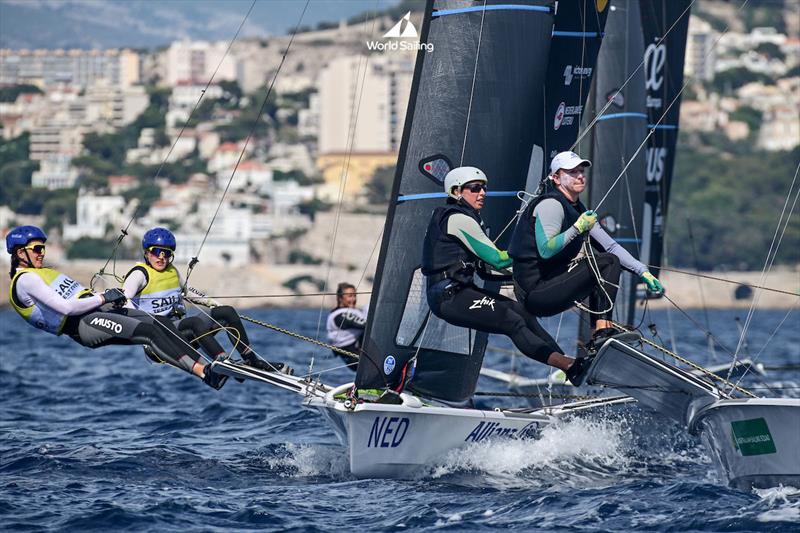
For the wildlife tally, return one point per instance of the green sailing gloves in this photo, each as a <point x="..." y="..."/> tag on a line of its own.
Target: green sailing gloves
<point x="586" y="221"/>
<point x="653" y="285"/>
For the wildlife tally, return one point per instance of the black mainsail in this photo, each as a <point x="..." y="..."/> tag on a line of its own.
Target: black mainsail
<point x="577" y="36"/>
<point x="474" y="100"/>
<point x="616" y="137"/>
<point x="665" y="25"/>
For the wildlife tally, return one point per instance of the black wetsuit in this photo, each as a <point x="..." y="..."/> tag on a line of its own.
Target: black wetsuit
<point x="549" y="286"/>
<point x="449" y="264"/>
<point x="198" y="330"/>
<point x="130" y="326"/>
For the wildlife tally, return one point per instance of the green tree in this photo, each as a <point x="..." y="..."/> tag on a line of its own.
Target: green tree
<point x="15" y="185"/>
<point x="749" y="115"/>
<point x="88" y="248"/>
<point x="732" y="194"/>
<point x="147" y="194"/>
<point x="379" y="188"/>
<point x="731" y="79"/>
<point x="10" y="94"/>
<point x="771" y="50"/>
<point x="59" y="207"/>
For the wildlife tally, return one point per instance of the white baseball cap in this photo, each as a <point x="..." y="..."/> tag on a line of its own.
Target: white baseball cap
<point x="567" y="160"/>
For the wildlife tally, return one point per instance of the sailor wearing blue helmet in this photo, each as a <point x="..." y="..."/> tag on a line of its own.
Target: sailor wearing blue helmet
<point x="56" y="303"/>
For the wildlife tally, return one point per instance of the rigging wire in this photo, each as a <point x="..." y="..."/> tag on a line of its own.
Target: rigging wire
<point x="742" y="283"/>
<point x="664" y="114"/>
<point x="124" y="232"/>
<point x="769" y="261"/>
<point x="352" y="126"/>
<point x="628" y="80"/>
<point x="472" y="89"/>
<point x="195" y="259"/>
<point x="711" y="349"/>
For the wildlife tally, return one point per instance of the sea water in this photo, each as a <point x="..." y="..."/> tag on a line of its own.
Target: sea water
<point x="101" y="440"/>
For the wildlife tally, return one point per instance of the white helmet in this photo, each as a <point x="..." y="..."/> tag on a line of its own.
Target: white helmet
<point x="461" y="175"/>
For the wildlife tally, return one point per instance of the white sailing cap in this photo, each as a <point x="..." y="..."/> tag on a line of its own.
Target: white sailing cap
<point x="568" y="161"/>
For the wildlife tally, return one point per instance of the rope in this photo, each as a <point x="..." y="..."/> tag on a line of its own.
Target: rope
<point x="697" y="274"/>
<point x="660" y="119"/>
<point x="694" y="366"/>
<point x="298" y="336"/>
<point x="592" y="262"/>
<point x="768" y="262"/>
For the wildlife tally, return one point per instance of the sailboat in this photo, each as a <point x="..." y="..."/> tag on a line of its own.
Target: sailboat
<point x="754" y="442"/>
<point x="476" y="99"/>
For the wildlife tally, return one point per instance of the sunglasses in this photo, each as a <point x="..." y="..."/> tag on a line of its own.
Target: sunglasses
<point x="157" y="251"/>
<point x="36" y="248"/>
<point x="475" y="187"/>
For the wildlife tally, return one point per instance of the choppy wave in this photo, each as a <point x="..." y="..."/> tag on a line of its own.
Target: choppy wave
<point x="101" y="441"/>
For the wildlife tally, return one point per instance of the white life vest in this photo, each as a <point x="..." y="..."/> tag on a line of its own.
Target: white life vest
<point x="345" y="337"/>
<point x="38" y="315"/>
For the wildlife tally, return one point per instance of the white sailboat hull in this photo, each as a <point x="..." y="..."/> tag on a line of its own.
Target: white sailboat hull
<point x="754" y="442"/>
<point x="399" y="441"/>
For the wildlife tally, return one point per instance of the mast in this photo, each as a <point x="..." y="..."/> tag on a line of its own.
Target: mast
<point x="577" y="36"/>
<point x="616" y="136"/>
<point x="665" y="25"/>
<point x="473" y="100"/>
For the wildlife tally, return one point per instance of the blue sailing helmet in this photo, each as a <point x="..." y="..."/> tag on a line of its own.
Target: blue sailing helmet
<point x="23" y="235"/>
<point x="159" y="237"/>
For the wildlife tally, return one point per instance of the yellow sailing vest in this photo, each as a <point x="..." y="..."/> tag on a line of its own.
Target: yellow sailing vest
<point x="162" y="292"/>
<point x="41" y="316"/>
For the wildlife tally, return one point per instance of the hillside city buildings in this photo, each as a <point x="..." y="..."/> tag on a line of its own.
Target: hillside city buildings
<point x="352" y="106"/>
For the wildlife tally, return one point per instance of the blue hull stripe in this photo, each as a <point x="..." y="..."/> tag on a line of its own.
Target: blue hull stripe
<point x="578" y="34"/>
<point x="622" y="115"/>
<point x="498" y="7"/>
<point x="628" y="239"/>
<point x="663" y="126"/>
<point x="429" y="195"/>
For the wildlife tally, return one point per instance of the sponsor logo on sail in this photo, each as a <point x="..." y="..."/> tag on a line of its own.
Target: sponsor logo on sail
<point x="609" y="223"/>
<point x="559" y="116"/>
<point x="616" y="97"/>
<point x="479" y="304"/>
<point x="388" y="432"/>
<point x="565" y="115"/>
<point x="571" y="72"/>
<point x="389" y="364"/>
<point x="655" y="56"/>
<point x="655" y="164"/>
<point x="107" y="323"/>
<point x="400" y="36"/>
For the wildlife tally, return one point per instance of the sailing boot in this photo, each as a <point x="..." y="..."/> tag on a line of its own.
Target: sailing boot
<point x="602" y="335"/>
<point x="251" y="359"/>
<point x="212" y="379"/>
<point x="576" y="373"/>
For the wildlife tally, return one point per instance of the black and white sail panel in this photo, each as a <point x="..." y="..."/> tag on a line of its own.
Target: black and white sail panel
<point x="475" y="98"/>
<point x="621" y="127"/>
<point x="577" y="36"/>
<point x="665" y="25"/>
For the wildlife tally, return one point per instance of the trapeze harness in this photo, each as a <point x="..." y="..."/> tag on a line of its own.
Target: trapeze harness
<point x="449" y="268"/>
